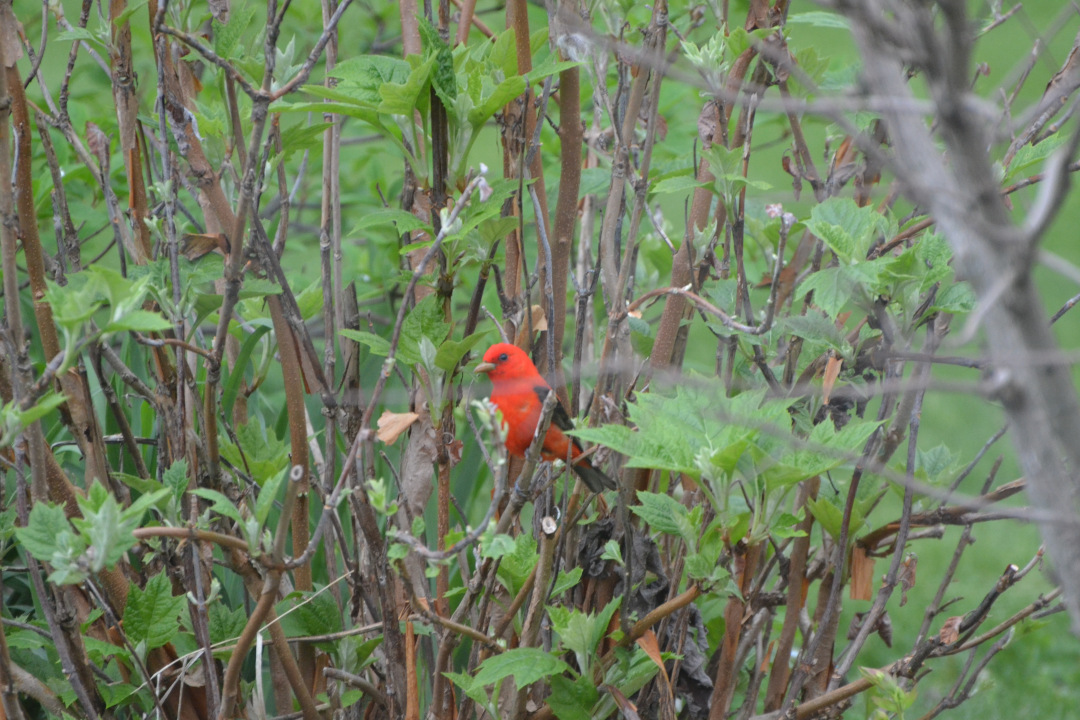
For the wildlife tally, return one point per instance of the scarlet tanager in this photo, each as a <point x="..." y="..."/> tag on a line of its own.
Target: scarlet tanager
<point x="519" y="390"/>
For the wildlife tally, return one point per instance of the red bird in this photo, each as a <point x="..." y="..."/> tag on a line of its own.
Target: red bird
<point x="519" y="390"/>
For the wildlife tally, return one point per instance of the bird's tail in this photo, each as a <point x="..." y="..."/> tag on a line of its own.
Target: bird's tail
<point x="593" y="478"/>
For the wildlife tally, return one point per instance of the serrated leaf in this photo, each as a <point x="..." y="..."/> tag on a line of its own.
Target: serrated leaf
<point x="1030" y="156"/>
<point x="310" y="613"/>
<point x="665" y="514"/>
<point x="581" y="632"/>
<point x="227" y="36"/>
<point x="833" y="287"/>
<point x="815" y="327"/>
<point x="443" y="78"/>
<point x="152" y="614"/>
<point x="573" y="699"/>
<point x="425" y="321"/>
<point x="525" y="665"/>
<point x="47" y="523"/>
<point x="845" y="227"/>
<point x="518" y="558"/>
<point x="225" y="625"/>
<point x="106" y="528"/>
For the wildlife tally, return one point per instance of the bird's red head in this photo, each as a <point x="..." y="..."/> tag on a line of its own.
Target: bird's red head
<point x="504" y="361"/>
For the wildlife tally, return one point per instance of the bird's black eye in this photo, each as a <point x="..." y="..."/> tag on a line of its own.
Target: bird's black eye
<point x="503" y="358"/>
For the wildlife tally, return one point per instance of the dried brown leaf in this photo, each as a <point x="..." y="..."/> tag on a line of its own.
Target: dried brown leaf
<point x="220" y="10"/>
<point x="98" y="144"/>
<point x="950" y="631"/>
<point x="862" y="574"/>
<point x="392" y="424"/>
<point x="832" y="371"/>
<point x="195" y="245"/>
<point x="907" y="576"/>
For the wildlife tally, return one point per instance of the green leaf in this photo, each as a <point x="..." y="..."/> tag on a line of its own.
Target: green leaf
<point x="956" y="298"/>
<point x="401" y="220"/>
<point x="43" y="407"/>
<point x="785" y="526"/>
<point x="136" y="483"/>
<point x="106" y="528"/>
<point x="376" y="343"/>
<point x="425" y="321"/>
<point x="76" y="33"/>
<point x="815" y="327"/>
<point x="138" y="321"/>
<point x="268" y="495"/>
<point x="152" y="614"/>
<point x="833" y="287"/>
<point x="260" y="451"/>
<point x="219" y="504"/>
<point x="935" y="462"/>
<point x="549" y="66"/>
<point x="828" y="515"/>
<point x="667" y="515"/>
<point x="131" y="9"/>
<point x="846" y="228"/>
<point x="225" y="625"/>
<point x="227" y="36"/>
<point x="138" y="508"/>
<point x="504" y="53"/>
<point x="573" y="699"/>
<point x="364" y="75"/>
<point x="46" y="524"/>
<point x="310" y="613"/>
<point x="443" y="77"/>
<point x="451" y="351"/>
<point x="677" y="184"/>
<point x="581" y="632"/>
<point x="565" y="581"/>
<point x="405" y="98"/>
<point x="820" y="19"/>
<point x="232" y="384"/>
<point x="470" y="687"/>
<point x="525" y="665"/>
<point x="1030" y="156"/>
<point x="682" y="433"/>
<point x="503" y="93"/>
<point x="519" y="558"/>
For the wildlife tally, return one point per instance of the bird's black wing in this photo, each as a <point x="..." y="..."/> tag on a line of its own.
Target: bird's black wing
<point x="559" y="417"/>
<point x="594" y="479"/>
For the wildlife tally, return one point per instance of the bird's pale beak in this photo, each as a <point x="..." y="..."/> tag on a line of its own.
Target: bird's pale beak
<point x="485" y="367"/>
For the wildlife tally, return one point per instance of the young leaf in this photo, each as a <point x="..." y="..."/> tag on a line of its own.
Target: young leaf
<point x="47" y="523"/>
